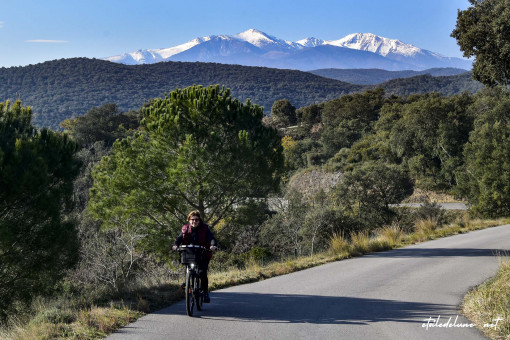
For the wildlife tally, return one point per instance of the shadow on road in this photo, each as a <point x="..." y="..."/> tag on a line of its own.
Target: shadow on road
<point x="440" y="252"/>
<point x="280" y="308"/>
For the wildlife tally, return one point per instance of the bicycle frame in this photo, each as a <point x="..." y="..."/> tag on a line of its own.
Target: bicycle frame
<point x="193" y="293"/>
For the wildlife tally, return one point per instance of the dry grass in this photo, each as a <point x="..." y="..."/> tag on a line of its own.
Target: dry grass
<point x="93" y="323"/>
<point x="490" y="303"/>
<point x="360" y="242"/>
<point x="421" y="196"/>
<point x="388" y="237"/>
<point x="424" y="229"/>
<point x="339" y="244"/>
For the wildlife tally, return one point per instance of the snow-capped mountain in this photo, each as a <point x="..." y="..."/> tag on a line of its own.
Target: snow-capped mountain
<point x="265" y="41"/>
<point x="256" y="48"/>
<point x="310" y="42"/>
<point x="373" y="43"/>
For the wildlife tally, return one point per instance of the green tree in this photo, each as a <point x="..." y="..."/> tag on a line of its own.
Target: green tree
<point x="486" y="176"/>
<point x="482" y="31"/>
<point x="428" y="134"/>
<point x="241" y="231"/>
<point x="201" y="149"/>
<point x="104" y="123"/>
<point x="368" y="148"/>
<point x="369" y="190"/>
<point x="37" y="169"/>
<point x="283" y="113"/>
<point x="348" y="118"/>
<point x="308" y="117"/>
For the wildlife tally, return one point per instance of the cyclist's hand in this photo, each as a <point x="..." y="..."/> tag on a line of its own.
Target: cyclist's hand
<point x="174" y="248"/>
<point x="213" y="248"/>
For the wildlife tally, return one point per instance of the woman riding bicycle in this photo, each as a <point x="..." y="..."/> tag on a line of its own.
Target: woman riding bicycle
<point x="198" y="233"/>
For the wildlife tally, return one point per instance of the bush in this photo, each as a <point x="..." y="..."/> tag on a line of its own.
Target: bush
<point x="432" y="211"/>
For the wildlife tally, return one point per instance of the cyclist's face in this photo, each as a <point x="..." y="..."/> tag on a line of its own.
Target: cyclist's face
<point x="194" y="221"/>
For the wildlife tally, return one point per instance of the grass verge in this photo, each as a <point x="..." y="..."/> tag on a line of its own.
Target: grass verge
<point x="95" y="322"/>
<point x="488" y="305"/>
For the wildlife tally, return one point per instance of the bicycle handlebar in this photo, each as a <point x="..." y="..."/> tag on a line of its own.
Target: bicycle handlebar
<point x="181" y="247"/>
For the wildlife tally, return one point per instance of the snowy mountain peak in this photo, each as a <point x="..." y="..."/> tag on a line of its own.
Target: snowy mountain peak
<point x="310" y="42"/>
<point x="376" y="44"/>
<point x="263" y="40"/>
<point x="256" y="37"/>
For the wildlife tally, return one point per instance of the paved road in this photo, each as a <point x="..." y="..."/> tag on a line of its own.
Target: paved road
<point x="386" y="295"/>
<point x="445" y="206"/>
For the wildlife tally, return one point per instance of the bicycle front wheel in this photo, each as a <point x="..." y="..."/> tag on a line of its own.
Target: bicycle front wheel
<point x="199" y="296"/>
<point x="190" y="301"/>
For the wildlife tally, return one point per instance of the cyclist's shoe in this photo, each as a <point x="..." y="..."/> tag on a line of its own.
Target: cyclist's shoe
<point x="207" y="299"/>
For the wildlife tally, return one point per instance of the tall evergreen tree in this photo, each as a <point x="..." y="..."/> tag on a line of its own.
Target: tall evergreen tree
<point x="36" y="173"/>
<point x="201" y="149"/>
<point x="485" y="179"/>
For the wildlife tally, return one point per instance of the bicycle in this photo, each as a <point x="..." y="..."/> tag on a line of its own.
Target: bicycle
<point x="191" y="256"/>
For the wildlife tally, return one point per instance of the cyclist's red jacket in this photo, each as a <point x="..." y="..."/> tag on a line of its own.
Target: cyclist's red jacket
<point x="201" y="236"/>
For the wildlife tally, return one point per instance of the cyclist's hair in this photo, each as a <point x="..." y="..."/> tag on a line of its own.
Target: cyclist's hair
<point x="195" y="213"/>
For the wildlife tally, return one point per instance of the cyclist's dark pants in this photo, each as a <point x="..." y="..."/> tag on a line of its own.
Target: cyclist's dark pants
<point x="202" y="271"/>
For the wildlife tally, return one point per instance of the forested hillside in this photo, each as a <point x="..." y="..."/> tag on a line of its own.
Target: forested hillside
<point x="446" y="85"/>
<point x="376" y="76"/>
<point x="64" y="88"/>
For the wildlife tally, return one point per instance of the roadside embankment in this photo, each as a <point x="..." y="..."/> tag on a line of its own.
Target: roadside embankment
<point x="491" y="301"/>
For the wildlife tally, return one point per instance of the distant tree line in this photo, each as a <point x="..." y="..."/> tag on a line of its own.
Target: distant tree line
<point x="378" y="76"/>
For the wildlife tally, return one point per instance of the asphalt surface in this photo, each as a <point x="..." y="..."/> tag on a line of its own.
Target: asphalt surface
<point x="387" y="295"/>
<point x="445" y="206"/>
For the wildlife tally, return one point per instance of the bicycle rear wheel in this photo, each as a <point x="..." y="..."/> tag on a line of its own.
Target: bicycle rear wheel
<point x="190" y="301"/>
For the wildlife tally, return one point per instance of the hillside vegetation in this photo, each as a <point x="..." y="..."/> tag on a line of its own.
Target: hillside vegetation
<point x="376" y="76"/>
<point x="446" y="85"/>
<point x="66" y="88"/>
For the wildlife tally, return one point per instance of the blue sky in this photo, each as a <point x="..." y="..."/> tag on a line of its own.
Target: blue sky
<point x="34" y="31"/>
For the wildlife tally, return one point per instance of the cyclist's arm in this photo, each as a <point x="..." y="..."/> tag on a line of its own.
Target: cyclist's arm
<point x="211" y="238"/>
<point x="178" y="240"/>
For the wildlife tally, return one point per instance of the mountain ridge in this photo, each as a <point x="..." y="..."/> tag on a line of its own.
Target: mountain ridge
<point x="256" y="48"/>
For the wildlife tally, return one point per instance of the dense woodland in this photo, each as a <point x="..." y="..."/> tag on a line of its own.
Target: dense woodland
<point x="67" y="88"/>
